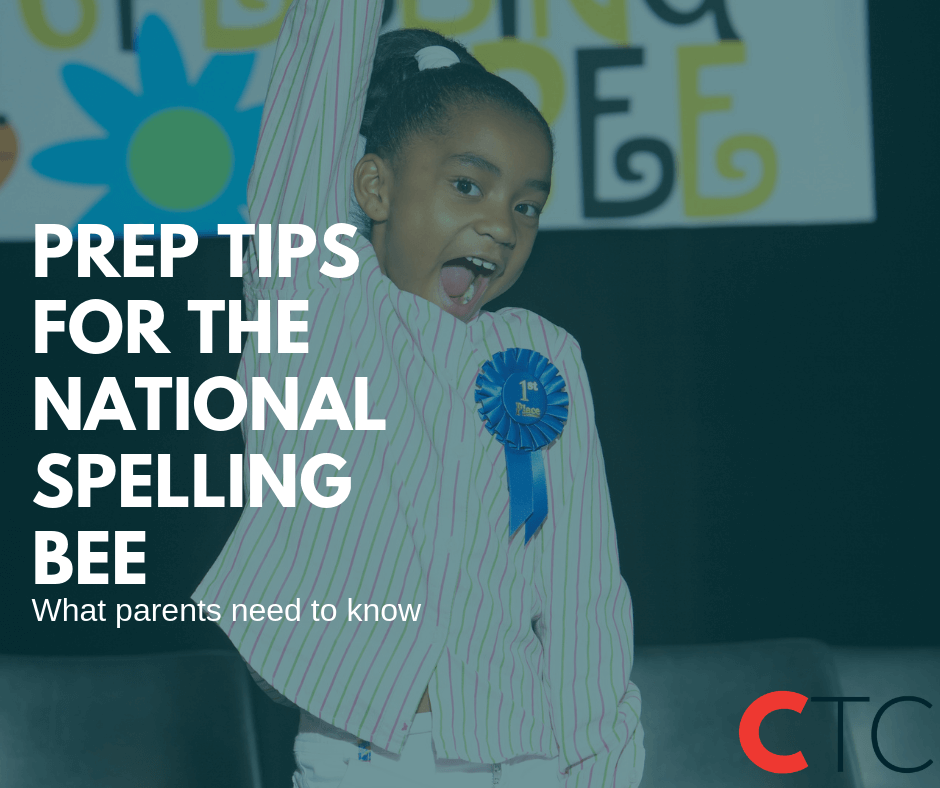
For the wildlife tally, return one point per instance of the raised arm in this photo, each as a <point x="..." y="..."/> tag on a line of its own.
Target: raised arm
<point x="587" y="622"/>
<point x="310" y="128"/>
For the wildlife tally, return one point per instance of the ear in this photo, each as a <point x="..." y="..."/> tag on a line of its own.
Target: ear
<point x="372" y="182"/>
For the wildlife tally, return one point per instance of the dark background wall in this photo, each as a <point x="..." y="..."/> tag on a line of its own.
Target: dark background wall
<point x="766" y="400"/>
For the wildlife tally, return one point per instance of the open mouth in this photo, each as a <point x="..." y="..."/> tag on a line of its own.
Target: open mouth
<point x="464" y="280"/>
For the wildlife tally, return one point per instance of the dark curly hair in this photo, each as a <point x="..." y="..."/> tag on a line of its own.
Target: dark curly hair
<point x="404" y="102"/>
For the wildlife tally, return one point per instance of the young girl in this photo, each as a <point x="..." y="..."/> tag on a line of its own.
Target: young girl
<point x="516" y="669"/>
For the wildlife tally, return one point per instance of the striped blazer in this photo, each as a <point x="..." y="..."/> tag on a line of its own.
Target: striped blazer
<point x="524" y="648"/>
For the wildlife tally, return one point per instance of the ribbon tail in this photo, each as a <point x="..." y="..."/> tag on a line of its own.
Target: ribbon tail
<point x="519" y="469"/>
<point x="539" y="495"/>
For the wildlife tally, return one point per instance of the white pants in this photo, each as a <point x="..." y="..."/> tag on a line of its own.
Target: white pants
<point x="326" y="762"/>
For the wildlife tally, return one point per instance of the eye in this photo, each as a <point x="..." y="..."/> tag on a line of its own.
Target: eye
<point x="465" y="186"/>
<point x="528" y="209"/>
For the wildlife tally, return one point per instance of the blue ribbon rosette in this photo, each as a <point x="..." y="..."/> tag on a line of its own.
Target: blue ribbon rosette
<point x="524" y="405"/>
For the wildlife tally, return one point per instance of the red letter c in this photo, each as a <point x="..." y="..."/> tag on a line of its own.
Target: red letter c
<point x="749" y="732"/>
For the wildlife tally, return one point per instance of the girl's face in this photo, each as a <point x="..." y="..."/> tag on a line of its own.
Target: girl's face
<point x="455" y="219"/>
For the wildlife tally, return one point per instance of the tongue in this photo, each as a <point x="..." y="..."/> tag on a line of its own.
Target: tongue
<point x="456" y="279"/>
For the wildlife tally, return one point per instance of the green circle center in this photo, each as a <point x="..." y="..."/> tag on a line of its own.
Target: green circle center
<point x="180" y="159"/>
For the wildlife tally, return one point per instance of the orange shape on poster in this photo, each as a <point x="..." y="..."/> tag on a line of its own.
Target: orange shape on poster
<point x="8" y="149"/>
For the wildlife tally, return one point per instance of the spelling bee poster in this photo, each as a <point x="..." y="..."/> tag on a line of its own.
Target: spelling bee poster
<point x="669" y="114"/>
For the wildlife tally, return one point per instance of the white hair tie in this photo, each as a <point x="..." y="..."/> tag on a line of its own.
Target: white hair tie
<point x="435" y="57"/>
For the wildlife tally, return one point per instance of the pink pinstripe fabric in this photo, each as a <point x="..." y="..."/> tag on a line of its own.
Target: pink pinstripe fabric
<point x="525" y="649"/>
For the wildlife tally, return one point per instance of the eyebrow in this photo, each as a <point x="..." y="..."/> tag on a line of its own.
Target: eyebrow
<point x="475" y="160"/>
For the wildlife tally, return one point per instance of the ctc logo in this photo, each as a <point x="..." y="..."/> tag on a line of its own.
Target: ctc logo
<point x="749" y="731"/>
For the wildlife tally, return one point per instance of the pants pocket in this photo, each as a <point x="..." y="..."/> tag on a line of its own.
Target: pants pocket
<point x="321" y="762"/>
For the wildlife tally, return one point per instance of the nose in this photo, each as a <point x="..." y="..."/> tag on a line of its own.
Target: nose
<point x="496" y="221"/>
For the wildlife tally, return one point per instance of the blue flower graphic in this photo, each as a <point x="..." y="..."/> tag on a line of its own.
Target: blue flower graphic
<point x="177" y="153"/>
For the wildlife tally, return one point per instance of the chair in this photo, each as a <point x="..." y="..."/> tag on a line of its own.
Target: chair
<point x="693" y="699"/>
<point x="908" y="733"/>
<point x="157" y="721"/>
<point x="186" y="719"/>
